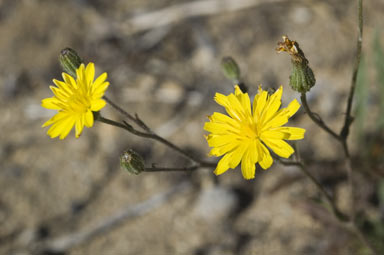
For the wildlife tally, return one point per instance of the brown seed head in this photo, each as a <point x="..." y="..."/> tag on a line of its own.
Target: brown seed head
<point x="293" y="49"/>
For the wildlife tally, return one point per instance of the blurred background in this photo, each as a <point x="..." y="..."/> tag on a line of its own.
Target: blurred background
<point x="163" y="62"/>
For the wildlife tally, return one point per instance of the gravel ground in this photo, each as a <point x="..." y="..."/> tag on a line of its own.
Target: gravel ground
<point x="54" y="192"/>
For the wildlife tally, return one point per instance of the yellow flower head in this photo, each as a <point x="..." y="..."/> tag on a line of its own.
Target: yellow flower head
<point x="245" y="133"/>
<point x="75" y="100"/>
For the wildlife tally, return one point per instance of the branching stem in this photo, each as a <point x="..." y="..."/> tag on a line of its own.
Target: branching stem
<point x="316" y="118"/>
<point x="339" y="215"/>
<point x="171" y="169"/>
<point x="348" y="116"/>
<point x="153" y="136"/>
<point x="343" y="136"/>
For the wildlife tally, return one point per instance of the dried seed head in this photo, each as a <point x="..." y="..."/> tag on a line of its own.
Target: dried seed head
<point x="302" y="78"/>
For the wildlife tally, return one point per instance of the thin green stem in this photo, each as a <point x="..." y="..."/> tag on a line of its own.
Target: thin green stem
<point x="119" y="109"/>
<point x="316" y="118"/>
<point x="172" y="169"/>
<point x="347" y="123"/>
<point x="339" y="215"/>
<point x="364" y="239"/>
<point x="342" y="138"/>
<point x="348" y="224"/>
<point x="153" y="136"/>
<point x="135" y="118"/>
<point x="348" y="116"/>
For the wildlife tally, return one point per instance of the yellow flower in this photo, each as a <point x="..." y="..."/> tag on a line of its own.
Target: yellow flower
<point x="245" y="133"/>
<point x="75" y="101"/>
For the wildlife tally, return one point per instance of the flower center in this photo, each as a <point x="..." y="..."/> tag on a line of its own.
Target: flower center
<point x="79" y="102"/>
<point x="249" y="130"/>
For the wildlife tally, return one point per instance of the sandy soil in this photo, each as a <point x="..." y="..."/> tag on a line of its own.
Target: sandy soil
<point x="53" y="189"/>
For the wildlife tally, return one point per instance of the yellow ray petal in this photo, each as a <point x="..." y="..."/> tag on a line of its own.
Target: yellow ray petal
<point x="100" y="80"/>
<point x="259" y="103"/>
<point x="248" y="166"/>
<point x="224" y="101"/>
<point x="69" y="81"/>
<point x="293" y="107"/>
<point x="220" y="128"/>
<point x="220" y="140"/>
<point x="236" y="106"/>
<point x="290" y="133"/>
<point x="67" y="88"/>
<point x="273" y="104"/>
<point x="222" y="118"/>
<point x="253" y="152"/>
<point x="59" y="116"/>
<point x="244" y="100"/>
<point x="88" y="121"/>
<point x="79" y="126"/>
<point x="48" y="122"/>
<point x="59" y="125"/>
<point x="66" y="127"/>
<point x="274" y="134"/>
<point x="97" y="105"/>
<point x="221" y="99"/>
<point x="80" y="74"/>
<point x="99" y="91"/>
<point x="275" y="122"/>
<point x="90" y="73"/>
<point x="219" y="151"/>
<point x="60" y="94"/>
<point x="266" y="160"/>
<point x="237" y="155"/>
<point x="282" y="116"/>
<point x="51" y="103"/>
<point x="223" y="165"/>
<point x="280" y="147"/>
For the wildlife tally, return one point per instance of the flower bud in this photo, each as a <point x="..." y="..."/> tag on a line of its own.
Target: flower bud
<point x="230" y="69"/>
<point x="132" y="162"/>
<point x="302" y="78"/>
<point x="70" y="61"/>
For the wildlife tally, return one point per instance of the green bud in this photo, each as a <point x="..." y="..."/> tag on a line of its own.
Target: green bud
<point x="132" y="162"/>
<point x="302" y="78"/>
<point x="230" y="69"/>
<point x="70" y="61"/>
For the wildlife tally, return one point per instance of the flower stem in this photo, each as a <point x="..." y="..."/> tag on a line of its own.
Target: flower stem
<point x="345" y="130"/>
<point x="316" y="118"/>
<point x="172" y="169"/>
<point x="348" y="121"/>
<point x="129" y="128"/>
<point x="348" y="224"/>
<point x="348" y="117"/>
<point x="338" y="214"/>
<point x="364" y="239"/>
<point x="342" y="138"/>
<point x="119" y="109"/>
